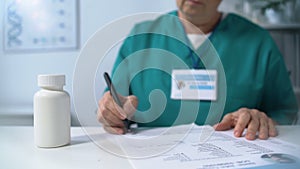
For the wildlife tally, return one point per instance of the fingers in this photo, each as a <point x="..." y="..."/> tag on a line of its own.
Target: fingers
<point x="261" y="124"/>
<point x="109" y="119"/>
<point x="130" y="106"/>
<point x="264" y="127"/>
<point x="258" y="124"/>
<point x="108" y="114"/>
<point x="108" y="107"/>
<point x="114" y="130"/>
<point x="111" y="115"/>
<point x="244" y="118"/>
<point x="272" y="128"/>
<point x="226" y="123"/>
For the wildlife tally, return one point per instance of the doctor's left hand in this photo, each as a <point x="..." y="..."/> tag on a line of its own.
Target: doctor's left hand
<point x="254" y="120"/>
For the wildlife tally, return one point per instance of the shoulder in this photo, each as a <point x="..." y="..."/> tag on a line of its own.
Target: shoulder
<point x="242" y="21"/>
<point x="240" y="24"/>
<point x="240" y="28"/>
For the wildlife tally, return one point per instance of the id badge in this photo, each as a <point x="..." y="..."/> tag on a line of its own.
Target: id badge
<point x="194" y="84"/>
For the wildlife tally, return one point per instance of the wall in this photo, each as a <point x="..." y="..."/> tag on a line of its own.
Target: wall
<point x="18" y="72"/>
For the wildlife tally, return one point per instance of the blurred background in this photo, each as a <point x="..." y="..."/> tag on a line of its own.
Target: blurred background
<point x="46" y="36"/>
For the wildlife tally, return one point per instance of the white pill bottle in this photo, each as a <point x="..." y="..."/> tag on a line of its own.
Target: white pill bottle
<point x="51" y="112"/>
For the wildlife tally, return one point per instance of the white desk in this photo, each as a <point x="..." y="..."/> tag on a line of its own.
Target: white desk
<point x="17" y="150"/>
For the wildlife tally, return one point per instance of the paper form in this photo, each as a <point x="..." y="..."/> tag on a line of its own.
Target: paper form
<point x="200" y="147"/>
<point x="142" y="143"/>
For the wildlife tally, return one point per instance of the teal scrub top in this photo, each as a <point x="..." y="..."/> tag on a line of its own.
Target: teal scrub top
<point x="251" y="72"/>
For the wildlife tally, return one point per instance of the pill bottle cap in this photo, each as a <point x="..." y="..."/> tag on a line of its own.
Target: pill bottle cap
<point x="51" y="80"/>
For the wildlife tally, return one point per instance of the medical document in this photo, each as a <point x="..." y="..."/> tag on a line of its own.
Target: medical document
<point x="200" y="147"/>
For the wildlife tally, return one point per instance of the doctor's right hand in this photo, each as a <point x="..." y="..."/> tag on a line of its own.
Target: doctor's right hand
<point x="111" y="115"/>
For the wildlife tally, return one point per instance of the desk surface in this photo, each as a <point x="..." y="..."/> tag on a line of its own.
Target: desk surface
<point x="17" y="150"/>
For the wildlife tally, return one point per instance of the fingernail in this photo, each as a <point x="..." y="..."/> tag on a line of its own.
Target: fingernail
<point x="236" y="133"/>
<point x="250" y="136"/>
<point x="215" y="126"/>
<point x="263" y="136"/>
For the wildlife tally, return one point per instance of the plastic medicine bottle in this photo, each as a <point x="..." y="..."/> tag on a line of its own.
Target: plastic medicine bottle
<point x="51" y="112"/>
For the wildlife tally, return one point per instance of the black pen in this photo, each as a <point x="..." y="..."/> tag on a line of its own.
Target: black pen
<point x="115" y="96"/>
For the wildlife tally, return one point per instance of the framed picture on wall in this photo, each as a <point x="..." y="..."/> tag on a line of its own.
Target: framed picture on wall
<point x="41" y="25"/>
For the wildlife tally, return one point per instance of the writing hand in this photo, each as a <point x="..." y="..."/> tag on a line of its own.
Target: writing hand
<point x="111" y="116"/>
<point x="254" y="120"/>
